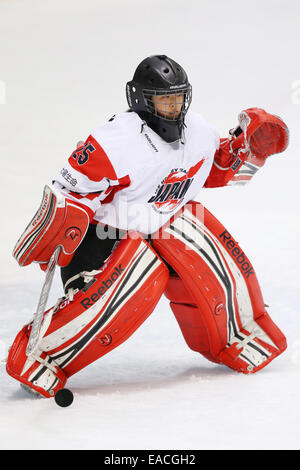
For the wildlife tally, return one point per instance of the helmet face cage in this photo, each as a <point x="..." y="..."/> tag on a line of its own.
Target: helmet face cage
<point x="183" y="98"/>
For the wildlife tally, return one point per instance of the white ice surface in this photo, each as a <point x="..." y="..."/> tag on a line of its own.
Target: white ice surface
<point x="63" y="67"/>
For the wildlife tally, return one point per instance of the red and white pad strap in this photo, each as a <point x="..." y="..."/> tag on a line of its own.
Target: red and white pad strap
<point x="58" y="222"/>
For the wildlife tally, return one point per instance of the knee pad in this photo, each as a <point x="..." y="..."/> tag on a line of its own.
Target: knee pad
<point x="216" y="297"/>
<point x="88" y="323"/>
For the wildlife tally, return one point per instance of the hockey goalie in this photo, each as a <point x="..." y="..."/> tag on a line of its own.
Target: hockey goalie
<point x="121" y="222"/>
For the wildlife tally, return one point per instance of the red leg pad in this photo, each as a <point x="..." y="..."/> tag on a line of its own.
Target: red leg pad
<point x="193" y="328"/>
<point x="216" y="297"/>
<point x="91" y="322"/>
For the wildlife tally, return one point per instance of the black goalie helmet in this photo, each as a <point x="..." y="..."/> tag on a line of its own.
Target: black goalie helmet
<point x="158" y="80"/>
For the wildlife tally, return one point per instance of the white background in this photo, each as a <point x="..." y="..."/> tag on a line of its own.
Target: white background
<point x="63" y="69"/>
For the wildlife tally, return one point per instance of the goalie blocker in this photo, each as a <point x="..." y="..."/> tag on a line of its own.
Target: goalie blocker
<point x="215" y="295"/>
<point x="57" y="223"/>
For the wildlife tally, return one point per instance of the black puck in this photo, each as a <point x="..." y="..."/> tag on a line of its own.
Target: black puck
<point x="64" y="397"/>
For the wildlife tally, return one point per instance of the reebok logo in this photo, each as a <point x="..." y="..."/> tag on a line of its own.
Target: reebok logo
<point x="89" y="301"/>
<point x="236" y="164"/>
<point x="41" y="211"/>
<point x="237" y="253"/>
<point x="73" y="233"/>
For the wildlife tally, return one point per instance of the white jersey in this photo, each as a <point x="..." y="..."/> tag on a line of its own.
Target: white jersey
<point x="130" y="178"/>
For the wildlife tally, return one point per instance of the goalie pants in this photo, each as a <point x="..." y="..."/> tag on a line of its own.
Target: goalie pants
<point x="91" y="255"/>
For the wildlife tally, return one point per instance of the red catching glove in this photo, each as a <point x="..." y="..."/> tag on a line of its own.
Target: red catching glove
<point x="258" y="135"/>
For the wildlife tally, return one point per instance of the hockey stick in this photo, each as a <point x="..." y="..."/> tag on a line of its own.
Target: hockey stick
<point x="39" y="315"/>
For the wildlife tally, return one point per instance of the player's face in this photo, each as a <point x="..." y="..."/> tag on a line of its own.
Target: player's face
<point x="168" y="106"/>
